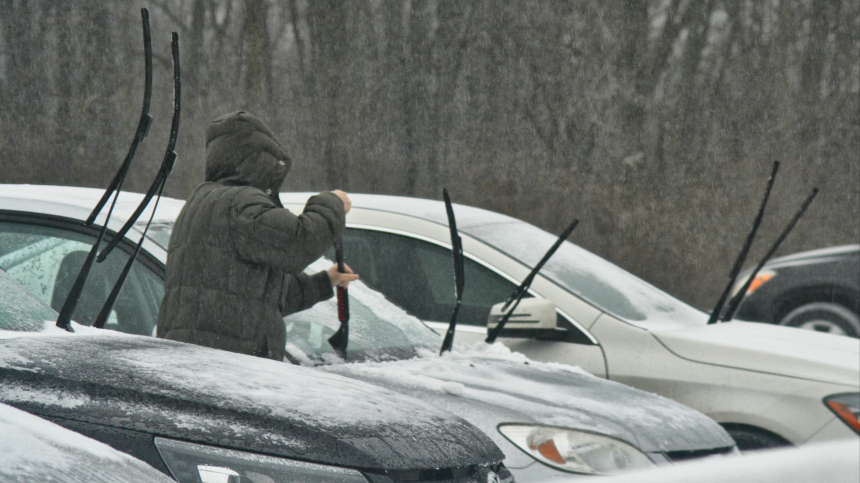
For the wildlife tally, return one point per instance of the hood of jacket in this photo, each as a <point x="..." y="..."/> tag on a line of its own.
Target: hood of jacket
<point x="242" y="151"/>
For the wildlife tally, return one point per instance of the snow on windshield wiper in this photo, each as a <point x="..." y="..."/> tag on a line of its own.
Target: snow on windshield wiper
<point x="115" y="185"/>
<point x="156" y="187"/>
<point x="520" y="291"/>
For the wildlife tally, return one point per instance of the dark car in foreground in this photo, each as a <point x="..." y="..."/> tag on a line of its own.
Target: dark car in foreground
<point x="815" y="290"/>
<point x="200" y="414"/>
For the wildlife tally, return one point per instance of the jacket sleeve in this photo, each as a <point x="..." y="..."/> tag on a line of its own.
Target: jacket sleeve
<point x="265" y="234"/>
<point x="302" y="291"/>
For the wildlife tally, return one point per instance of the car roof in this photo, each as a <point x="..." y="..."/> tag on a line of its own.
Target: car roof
<point x="821" y="253"/>
<point x="34" y="449"/>
<point x="425" y="209"/>
<point x="78" y="202"/>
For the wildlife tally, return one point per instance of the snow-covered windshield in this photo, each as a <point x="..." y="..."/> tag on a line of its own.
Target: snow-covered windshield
<point x="583" y="273"/>
<point x="378" y="329"/>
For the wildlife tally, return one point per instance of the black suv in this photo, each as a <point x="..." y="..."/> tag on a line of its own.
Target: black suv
<point x="816" y="290"/>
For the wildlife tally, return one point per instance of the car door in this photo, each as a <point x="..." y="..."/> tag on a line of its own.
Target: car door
<point x="45" y="255"/>
<point x="417" y="274"/>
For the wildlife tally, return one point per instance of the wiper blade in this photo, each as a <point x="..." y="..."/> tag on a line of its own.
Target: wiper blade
<point x="459" y="272"/>
<point x="157" y="186"/>
<point x="142" y="125"/>
<point x="166" y="165"/>
<point x="736" y="300"/>
<point x="520" y="291"/>
<point x="742" y="256"/>
<point x="69" y="305"/>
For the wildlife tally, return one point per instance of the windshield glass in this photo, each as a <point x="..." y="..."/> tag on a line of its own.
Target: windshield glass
<point x="20" y="310"/>
<point x="378" y="329"/>
<point x="159" y="231"/>
<point x="592" y="278"/>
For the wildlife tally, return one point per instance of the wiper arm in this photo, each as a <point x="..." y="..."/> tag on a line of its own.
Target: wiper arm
<point x="520" y="291"/>
<point x="115" y="185"/>
<point x="739" y="261"/>
<point x="157" y="186"/>
<point x="459" y="272"/>
<point x="736" y="300"/>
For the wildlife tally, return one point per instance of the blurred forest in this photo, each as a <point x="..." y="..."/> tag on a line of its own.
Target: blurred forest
<point x="653" y="122"/>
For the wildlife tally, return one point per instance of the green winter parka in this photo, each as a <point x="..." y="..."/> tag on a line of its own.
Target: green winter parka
<point x="236" y="257"/>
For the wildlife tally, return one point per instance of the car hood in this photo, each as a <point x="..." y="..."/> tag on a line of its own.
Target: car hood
<point x="772" y="349"/>
<point x="488" y="390"/>
<point x="219" y="398"/>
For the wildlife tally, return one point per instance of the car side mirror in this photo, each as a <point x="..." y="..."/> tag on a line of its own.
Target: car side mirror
<point x="534" y="318"/>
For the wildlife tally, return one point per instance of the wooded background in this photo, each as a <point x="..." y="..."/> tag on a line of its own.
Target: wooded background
<point x="653" y="122"/>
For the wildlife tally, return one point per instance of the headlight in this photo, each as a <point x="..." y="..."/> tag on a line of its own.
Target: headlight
<point x="195" y="463"/>
<point x="575" y="451"/>
<point x="846" y="407"/>
<point x="760" y="278"/>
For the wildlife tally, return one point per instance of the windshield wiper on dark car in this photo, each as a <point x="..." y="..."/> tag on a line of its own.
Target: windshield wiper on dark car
<point x="156" y="187"/>
<point x="115" y="185"/>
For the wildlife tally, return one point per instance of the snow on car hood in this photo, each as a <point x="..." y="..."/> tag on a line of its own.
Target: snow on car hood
<point x="231" y="400"/>
<point x="488" y="385"/>
<point x="33" y="449"/>
<point x="767" y="348"/>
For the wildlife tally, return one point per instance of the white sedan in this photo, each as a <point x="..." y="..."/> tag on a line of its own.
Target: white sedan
<point x="767" y="385"/>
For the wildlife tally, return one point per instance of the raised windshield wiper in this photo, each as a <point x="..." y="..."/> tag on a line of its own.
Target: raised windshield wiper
<point x="115" y="185"/>
<point x="742" y="256"/>
<point x="736" y="300"/>
<point x="156" y="187"/>
<point x="459" y="272"/>
<point x="520" y="291"/>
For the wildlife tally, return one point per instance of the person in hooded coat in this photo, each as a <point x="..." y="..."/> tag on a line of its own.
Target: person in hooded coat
<point x="236" y="256"/>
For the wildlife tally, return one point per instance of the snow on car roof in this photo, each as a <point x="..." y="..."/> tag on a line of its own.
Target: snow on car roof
<point x="78" y="202"/>
<point x="33" y="449"/>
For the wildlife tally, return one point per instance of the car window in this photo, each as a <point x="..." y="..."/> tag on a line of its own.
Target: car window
<point x="419" y="276"/>
<point x="378" y="330"/>
<point x="46" y="260"/>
